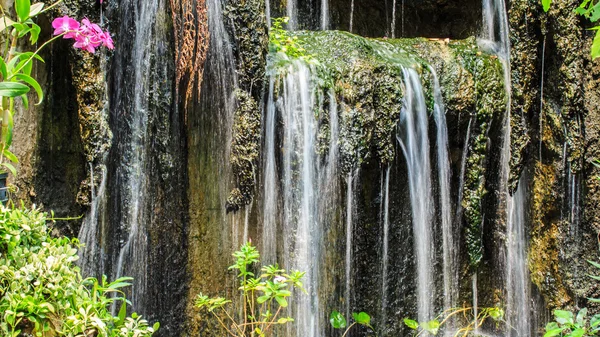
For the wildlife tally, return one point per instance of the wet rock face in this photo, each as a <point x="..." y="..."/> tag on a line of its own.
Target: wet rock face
<point x="374" y="18"/>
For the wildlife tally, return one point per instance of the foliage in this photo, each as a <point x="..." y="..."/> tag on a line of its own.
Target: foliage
<point x="468" y="313"/>
<point x="16" y="66"/>
<point x="590" y="9"/>
<point x="42" y="292"/>
<point x="264" y="297"/>
<point x="567" y="324"/>
<point x="338" y="321"/>
<point x="280" y="40"/>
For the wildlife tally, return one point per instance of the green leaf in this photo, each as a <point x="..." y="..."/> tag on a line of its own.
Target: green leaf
<point x="595" y="321"/>
<point x="3" y="68"/>
<point x="23" y="8"/>
<point x="25" y="101"/>
<point x="13" y="89"/>
<point x="546" y="5"/>
<point x="10" y="168"/>
<point x="36" y="8"/>
<point x="262" y="299"/>
<point x="156" y="326"/>
<point x="282" y="301"/>
<point x="7" y="133"/>
<point x="337" y="320"/>
<point x="595" y="54"/>
<point x="581" y="316"/>
<point x="122" y="313"/>
<point x="361" y="318"/>
<point x="5" y="22"/>
<point x="34" y="84"/>
<point x="553" y="332"/>
<point x="412" y="324"/>
<point x="496" y="313"/>
<point x="35" y="33"/>
<point x="10" y="156"/>
<point x="433" y="326"/>
<point x="579" y="332"/>
<point x="563" y="316"/>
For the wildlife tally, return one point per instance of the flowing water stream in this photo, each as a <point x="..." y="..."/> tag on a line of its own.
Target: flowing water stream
<point x="414" y="141"/>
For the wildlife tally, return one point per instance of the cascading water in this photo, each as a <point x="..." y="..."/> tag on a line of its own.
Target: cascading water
<point x="324" y="14"/>
<point x="270" y="197"/>
<point x="349" y="234"/>
<point x="386" y="242"/>
<point x="414" y="141"/>
<point x="517" y="276"/>
<point x="93" y="232"/>
<point x="518" y="293"/>
<point x="292" y="14"/>
<point x="393" y="28"/>
<point x="450" y="249"/>
<point x="351" y="15"/>
<point x="300" y="194"/>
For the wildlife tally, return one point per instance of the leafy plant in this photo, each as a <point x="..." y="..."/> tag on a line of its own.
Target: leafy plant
<point x="590" y="9"/>
<point x="567" y="324"/>
<point x="16" y="66"/>
<point x="280" y="40"/>
<point x="42" y="292"/>
<point x="264" y="298"/>
<point x="472" y="323"/>
<point x="338" y="321"/>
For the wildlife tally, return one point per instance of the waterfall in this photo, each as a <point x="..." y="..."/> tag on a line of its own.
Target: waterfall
<point x="450" y="249"/>
<point x="517" y="275"/>
<point x="414" y="141"/>
<point x="351" y="15"/>
<point x="518" y="292"/>
<point x="292" y="14"/>
<point x="132" y="258"/>
<point x="349" y="231"/>
<point x="393" y="28"/>
<point x="93" y="231"/>
<point x="270" y="196"/>
<point x="302" y="231"/>
<point x="324" y="14"/>
<point x="386" y="242"/>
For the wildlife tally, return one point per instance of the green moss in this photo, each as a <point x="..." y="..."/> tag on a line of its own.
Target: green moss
<point x="490" y="103"/>
<point x="249" y="30"/>
<point x="244" y="152"/>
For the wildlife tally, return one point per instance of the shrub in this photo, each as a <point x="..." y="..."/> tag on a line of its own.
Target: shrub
<point x="264" y="297"/>
<point x="42" y="292"/>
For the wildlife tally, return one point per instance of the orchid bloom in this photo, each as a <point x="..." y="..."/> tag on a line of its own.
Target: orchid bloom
<point x="88" y="36"/>
<point x="65" y="25"/>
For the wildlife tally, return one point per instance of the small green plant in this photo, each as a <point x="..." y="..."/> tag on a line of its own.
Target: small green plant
<point x="42" y="292"/>
<point x="264" y="298"/>
<point x="468" y="314"/>
<point x="338" y="321"/>
<point x="590" y="9"/>
<point x="280" y="40"/>
<point x="567" y="324"/>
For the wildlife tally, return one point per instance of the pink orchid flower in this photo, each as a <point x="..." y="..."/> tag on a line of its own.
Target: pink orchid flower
<point x="107" y="40"/>
<point x="65" y="25"/>
<point x="87" y="35"/>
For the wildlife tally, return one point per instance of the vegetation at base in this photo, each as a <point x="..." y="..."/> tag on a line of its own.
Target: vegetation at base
<point x="338" y="321"/>
<point x="435" y="325"/>
<point x="567" y="324"/>
<point x="42" y="291"/>
<point x="264" y="298"/>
